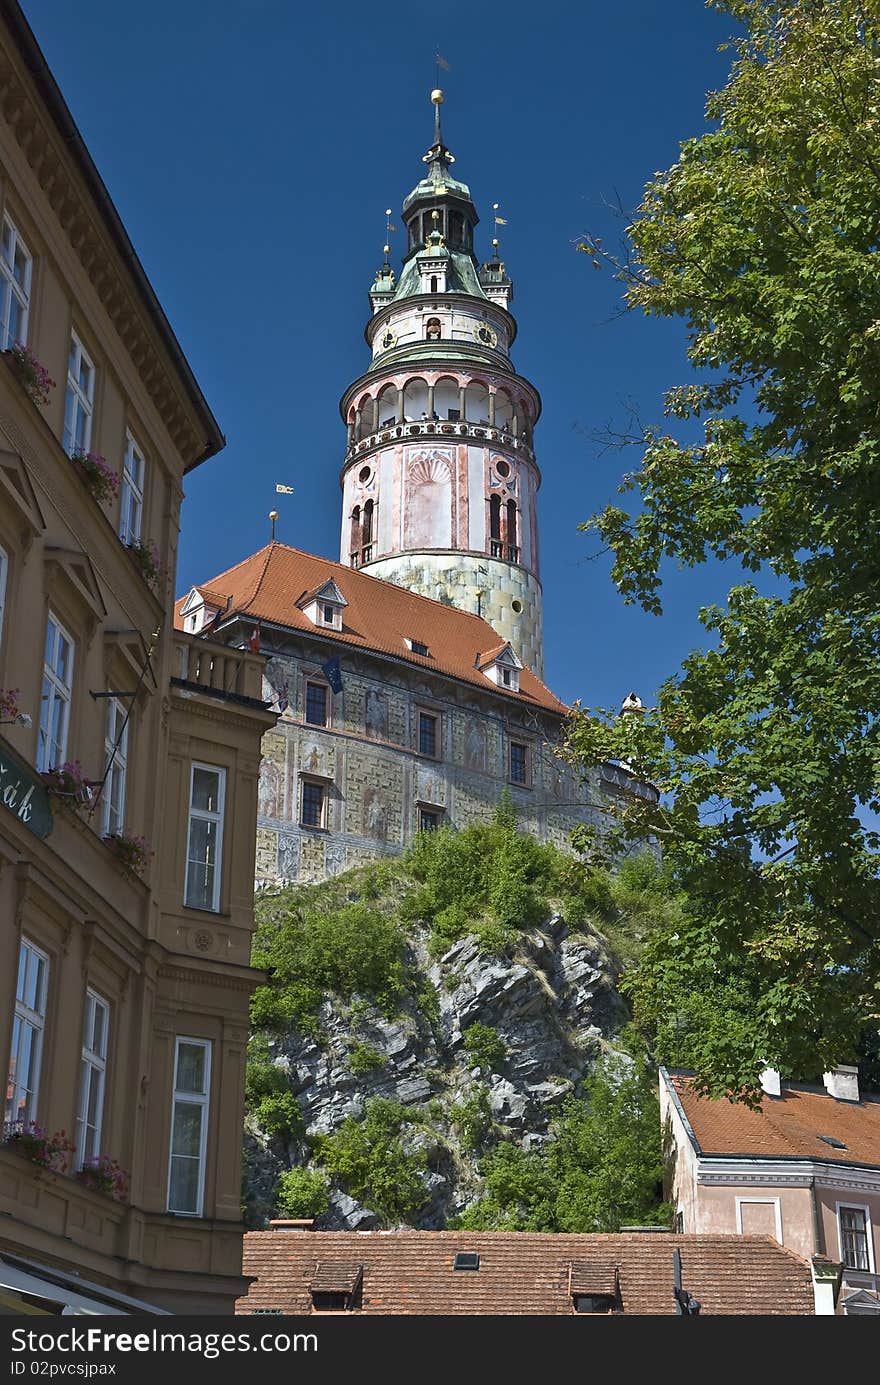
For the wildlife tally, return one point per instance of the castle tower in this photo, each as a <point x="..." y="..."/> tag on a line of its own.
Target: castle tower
<point x="440" y="480"/>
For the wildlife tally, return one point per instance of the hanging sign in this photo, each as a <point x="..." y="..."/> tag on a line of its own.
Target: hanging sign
<point x="23" y="793"/>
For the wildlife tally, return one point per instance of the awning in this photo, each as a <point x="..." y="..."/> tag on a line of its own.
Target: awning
<point x="26" y="1287"/>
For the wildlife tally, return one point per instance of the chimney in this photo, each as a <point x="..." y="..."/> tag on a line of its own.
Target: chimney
<point x="282" y="1224"/>
<point x="842" y="1083"/>
<point x="771" y="1082"/>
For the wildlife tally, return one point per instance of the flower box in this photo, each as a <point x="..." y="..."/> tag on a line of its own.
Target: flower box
<point x="133" y="852"/>
<point x="104" y="1175"/>
<point x="32" y="375"/>
<point x="69" y="781"/>
<point x="35" y="1144"/>
<point x="96" y="475"/>
<point x="146" y="556"/>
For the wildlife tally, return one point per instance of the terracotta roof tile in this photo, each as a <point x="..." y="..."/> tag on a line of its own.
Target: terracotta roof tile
<point x="787" y="1126"/>
<point x="525" y="1272"/>
<point x="379" y="617"/>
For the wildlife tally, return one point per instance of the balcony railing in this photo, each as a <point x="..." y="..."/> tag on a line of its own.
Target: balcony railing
<point x="442" y="428"/>
<point x="217" y="666"/>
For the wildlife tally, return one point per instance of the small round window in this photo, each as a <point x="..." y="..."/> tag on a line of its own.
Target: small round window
<point x="516" y="606"/>
<point x="502" y="468"/>
<point x="364" y="475"/>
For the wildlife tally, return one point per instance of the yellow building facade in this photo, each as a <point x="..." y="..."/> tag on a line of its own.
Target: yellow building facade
<point x="129" y="765"/>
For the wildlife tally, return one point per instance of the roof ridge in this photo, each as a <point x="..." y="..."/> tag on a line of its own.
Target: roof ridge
<point x="253" y="596"/>
<point x="212" y="581"/>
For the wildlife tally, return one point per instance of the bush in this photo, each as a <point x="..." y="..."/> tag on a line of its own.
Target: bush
<point x="472" y="1119"/>
<point x="302" y="1193"/>
<point x="485" y="1046"/>
<point x="368" y="1158"/>
<point x="364" y="1058"/>
<point x="267" y="1094"/>
<point x="348" y="950"/>
<point x="601" y="1170"/>
<point x="488" y="879"/>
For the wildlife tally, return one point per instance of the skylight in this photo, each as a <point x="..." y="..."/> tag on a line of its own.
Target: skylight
<point x="830" y="1140"/>
<point x="466" y="1260"/>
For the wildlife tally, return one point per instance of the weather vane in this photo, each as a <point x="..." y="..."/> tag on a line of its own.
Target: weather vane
<point x="389" y="229"/>
<point x="499" y="221"/>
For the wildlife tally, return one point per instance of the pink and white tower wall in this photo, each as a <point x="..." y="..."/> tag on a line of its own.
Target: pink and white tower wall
<point x="440" y="481"/>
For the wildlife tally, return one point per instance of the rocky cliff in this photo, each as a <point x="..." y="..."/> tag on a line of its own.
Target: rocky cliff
<point x="483" y="1043"/>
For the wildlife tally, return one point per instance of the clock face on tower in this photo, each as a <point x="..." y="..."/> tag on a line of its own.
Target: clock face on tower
<point x="485" y="335"/>
<point x="389" y="339"/>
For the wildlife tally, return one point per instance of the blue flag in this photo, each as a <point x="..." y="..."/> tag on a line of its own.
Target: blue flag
<point x="333" y="674"/>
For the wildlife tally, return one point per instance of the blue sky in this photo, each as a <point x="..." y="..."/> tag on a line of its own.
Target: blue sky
<point x="251" y="147"/>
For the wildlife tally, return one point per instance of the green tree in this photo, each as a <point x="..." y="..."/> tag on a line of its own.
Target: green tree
<point x="763" y="238"/>
<point x="600" y="1171"/>
<point x="369" y="1159"/>
<point x="302" y="1193"/>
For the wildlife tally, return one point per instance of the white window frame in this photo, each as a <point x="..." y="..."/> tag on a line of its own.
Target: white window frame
<point x="204" y="815"/>
<point x="869" y="1236"/>
<point x="134" y="476"/>
<point x="114" y="784"/>
<point x="202" y="1100"/>
<point x="58" y="692"/>
<point x="35" y="1020"/>
<point x="93" y="1069"/>
<point x="77" y="400"/>
<point x="777" y="1210"/>
<point x="11" y="288"/>
<point x="4" y="581"/>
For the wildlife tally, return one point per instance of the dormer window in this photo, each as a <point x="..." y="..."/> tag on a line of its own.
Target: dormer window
<point x="502" y="667"/>
<point x="324" y="605"/>
<point x="336" y="1288"/>
<point x="594" y="1288"/>
<point x="418" y="647"/>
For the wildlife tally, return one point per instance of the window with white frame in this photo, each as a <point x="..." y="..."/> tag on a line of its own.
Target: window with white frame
<point x="23" y="1083"/>
<point x="55" y="701"/>
<point x="4" y="577"/>
<point x="16" y="267"/>
<point x="131" y="513"/>
<point x="79" y="400"/>
<point x="189" y="1126"/>
<point x="205" y="837"/>
<point x="855" y="1250"/>
<point x="116" y="762"/>
<point x="93" y="1068"/>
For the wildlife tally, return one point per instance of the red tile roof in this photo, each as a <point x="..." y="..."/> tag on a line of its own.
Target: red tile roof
<point x="525" y="1272"/>
<point x="787" y="1126"/>
<point x="379" y="617"/>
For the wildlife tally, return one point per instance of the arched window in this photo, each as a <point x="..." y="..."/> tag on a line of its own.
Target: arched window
<point x="355" y="544"/>
<point x="432" y="329"/>
<point x="367" y="530"/>
<point x="512" y="544"/>
<point x="495" y="546"/>
<point x="387" y="406"/>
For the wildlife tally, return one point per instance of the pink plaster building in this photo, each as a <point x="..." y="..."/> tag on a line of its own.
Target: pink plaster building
<point x="805" y="1169"/>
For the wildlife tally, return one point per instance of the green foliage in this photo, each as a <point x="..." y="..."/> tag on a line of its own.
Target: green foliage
<point x="364" y="1058"/>
<point x="267" y="1094"/>
<point x="348" y="950"/>
<point x="302" y="1193"/>
<point x="762" y="237"/>
<point x="600" y="1171"/>
<point x="472" y="1120"/>
<point x="485" y="1046"/>
<point x="488" y="879"/>
<point x="368" y="1158"/>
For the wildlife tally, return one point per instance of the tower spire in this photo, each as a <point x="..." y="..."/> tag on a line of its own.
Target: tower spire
<point x="438" y="153"/>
